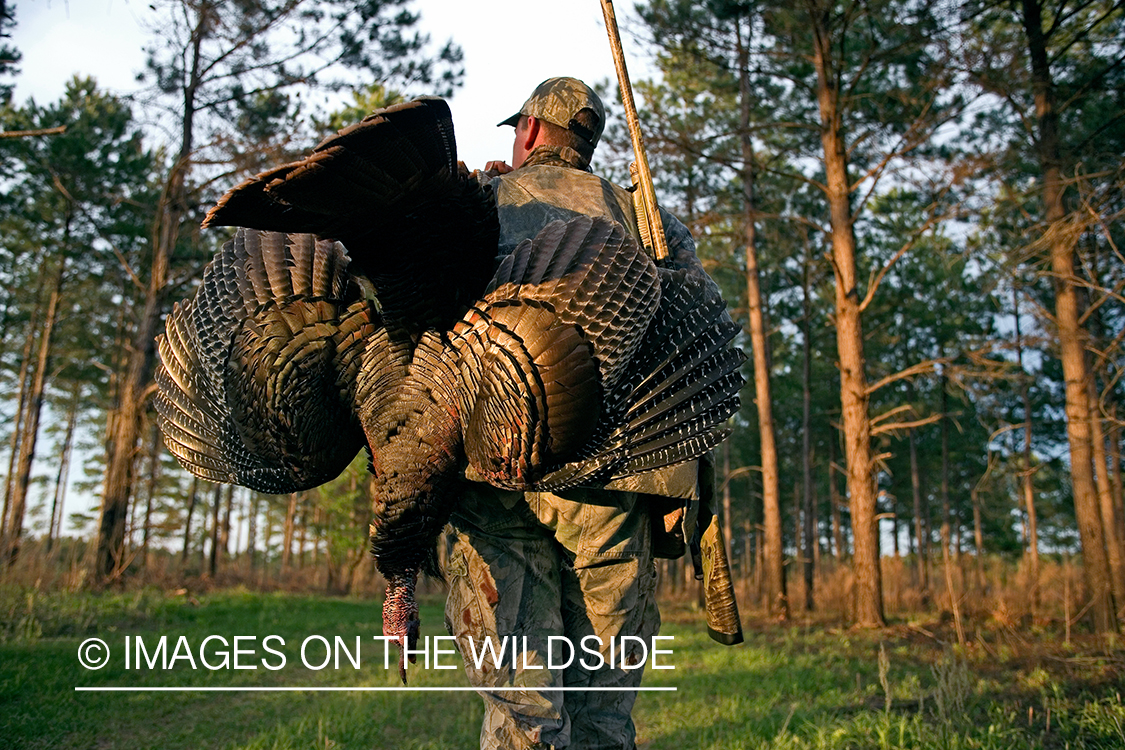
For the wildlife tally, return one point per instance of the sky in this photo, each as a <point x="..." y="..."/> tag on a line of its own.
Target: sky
<point x="510" y="47"/>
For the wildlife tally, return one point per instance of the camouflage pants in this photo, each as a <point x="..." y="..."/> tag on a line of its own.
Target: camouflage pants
<point x="538" y="565"/>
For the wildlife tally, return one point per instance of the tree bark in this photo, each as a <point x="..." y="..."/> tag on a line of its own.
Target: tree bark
<point x="806" y="440"/>
<point x="216" y="526"/>
<point x="155" y="447"/>
<point x="727" y="525"/>
<point x="125" y="419"/>
<point x="31" y="423"/>
<point x="946" y="557"/>
<point x="1072" y="337"/>
<point x="252" y="530"/>
<point x="1103" y="483"/>
<point x="859" y="457"/>
<point x="17" y="429"/>
<point x="228" y="508"/>
<point x="287" y="537"/>
<point x="921" y="528"/>
<point x="838" y="541"/>
<point x="1027" y="472"/>
<point x="55" y="529"/>
<point x="193" y="497"/>
<point x="978" y="538"/>
<point x="777" y="597"/>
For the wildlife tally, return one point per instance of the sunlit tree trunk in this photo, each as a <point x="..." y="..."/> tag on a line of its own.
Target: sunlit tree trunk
<point x="290" y="528"/>
<point x="838" y="540"/>
<point x="155" y="447"/>
<point x="921" y="527"/>
<point x="946" y="556"/>
<point x="978" y="538"/>
<point x="30" y="430"/>
<point x="778" y="600"/>
<point x="806" y="441"/>
<point x="728" y="526"/>
<point x="17" y="429"/>
<point x="125" y="420"/>
<point x="858" y="455"/>
<point x="61" y="477"/>
<point x="1105" y="498"/>
<point x="1072" y="337"/>
<point x="1027" y="473"/>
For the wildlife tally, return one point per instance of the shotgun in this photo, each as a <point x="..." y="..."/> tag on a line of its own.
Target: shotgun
<point x="708" y="549"/>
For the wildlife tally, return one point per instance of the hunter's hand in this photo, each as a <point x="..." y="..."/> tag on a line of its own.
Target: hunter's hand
<point x="497" y="168"/>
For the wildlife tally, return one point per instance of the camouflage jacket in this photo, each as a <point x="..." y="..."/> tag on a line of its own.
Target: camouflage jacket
<point x="554" y="183"/>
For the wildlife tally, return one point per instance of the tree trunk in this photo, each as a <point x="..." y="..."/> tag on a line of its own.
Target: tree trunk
<point x="777" y="598"/>
<point x="216" y="529"/>
<point x="303" y="529"/>
<point x="31" y="423"/>
<point x="287" y="537"/>
<point x="228" y="507"/>
<point x="859" y="458"/>
<point x="1105" y="498"/>
<point x="1072" y="338"/>
<point x="17" y="428"/>
<point x="921" y="528"/>
<point x="838" y="542"/>
<point x="1027" y="472"/>
<point x="193" y="497"/>
<point x="947" y="562"/>
<point x="252" y="530"/>
<point x="124" y="422"/>
<point x="728" y="527"/>
<point x="55" y="528"/>
<point x="155" y="447"/>
<point x="978" y="538"/>
<point x="806" y="440"/>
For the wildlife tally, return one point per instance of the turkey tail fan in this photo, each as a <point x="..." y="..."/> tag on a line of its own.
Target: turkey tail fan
<point x="595" y="276"/>
<point x="390" y="188"/>
<point x="682" y="386"/>
<point x="555" y="326"/>
<point x="365" y="176"/>
<point x="258" y="369"/>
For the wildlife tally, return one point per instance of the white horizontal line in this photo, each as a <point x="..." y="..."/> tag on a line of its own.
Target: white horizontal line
<point x="287" y="689"/>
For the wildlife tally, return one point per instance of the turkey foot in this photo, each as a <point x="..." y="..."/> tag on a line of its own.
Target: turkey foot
<point x="400" y="617"/>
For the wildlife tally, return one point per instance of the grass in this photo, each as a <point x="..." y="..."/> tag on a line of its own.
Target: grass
<point x="796" y="686"/>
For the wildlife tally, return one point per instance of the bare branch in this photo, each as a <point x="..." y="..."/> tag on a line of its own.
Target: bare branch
<point x="897" y="426"/>
<point x="30" y="133"/>
<point x="909" y="372"/>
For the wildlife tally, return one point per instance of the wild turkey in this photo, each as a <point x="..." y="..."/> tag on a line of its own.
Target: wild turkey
<point x="574" y="360"/>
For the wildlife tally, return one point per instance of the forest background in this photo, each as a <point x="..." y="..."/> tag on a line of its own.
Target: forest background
<point x="915" y="211"/>
<point x="914" y="208"/>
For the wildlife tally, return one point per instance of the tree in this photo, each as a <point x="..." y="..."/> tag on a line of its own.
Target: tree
<point x="1056" y="67"/>
<point x="709" y="48"/>
<point x="74" y="199"/>
<point x="880" y="83"/>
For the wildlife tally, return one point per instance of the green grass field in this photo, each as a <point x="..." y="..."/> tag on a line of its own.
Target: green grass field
<point x="787" y="687"/>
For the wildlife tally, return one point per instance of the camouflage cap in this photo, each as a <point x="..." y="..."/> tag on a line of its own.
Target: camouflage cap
<point x="558" y="101"/>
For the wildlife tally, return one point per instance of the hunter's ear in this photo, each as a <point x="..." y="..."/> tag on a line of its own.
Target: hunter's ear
<point x="531" y="133"/>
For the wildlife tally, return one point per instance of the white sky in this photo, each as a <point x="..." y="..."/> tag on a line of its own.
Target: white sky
<point x="510" y="46"/>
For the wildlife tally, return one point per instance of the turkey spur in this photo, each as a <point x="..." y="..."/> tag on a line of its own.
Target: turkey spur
<point x="361" y="305"/>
